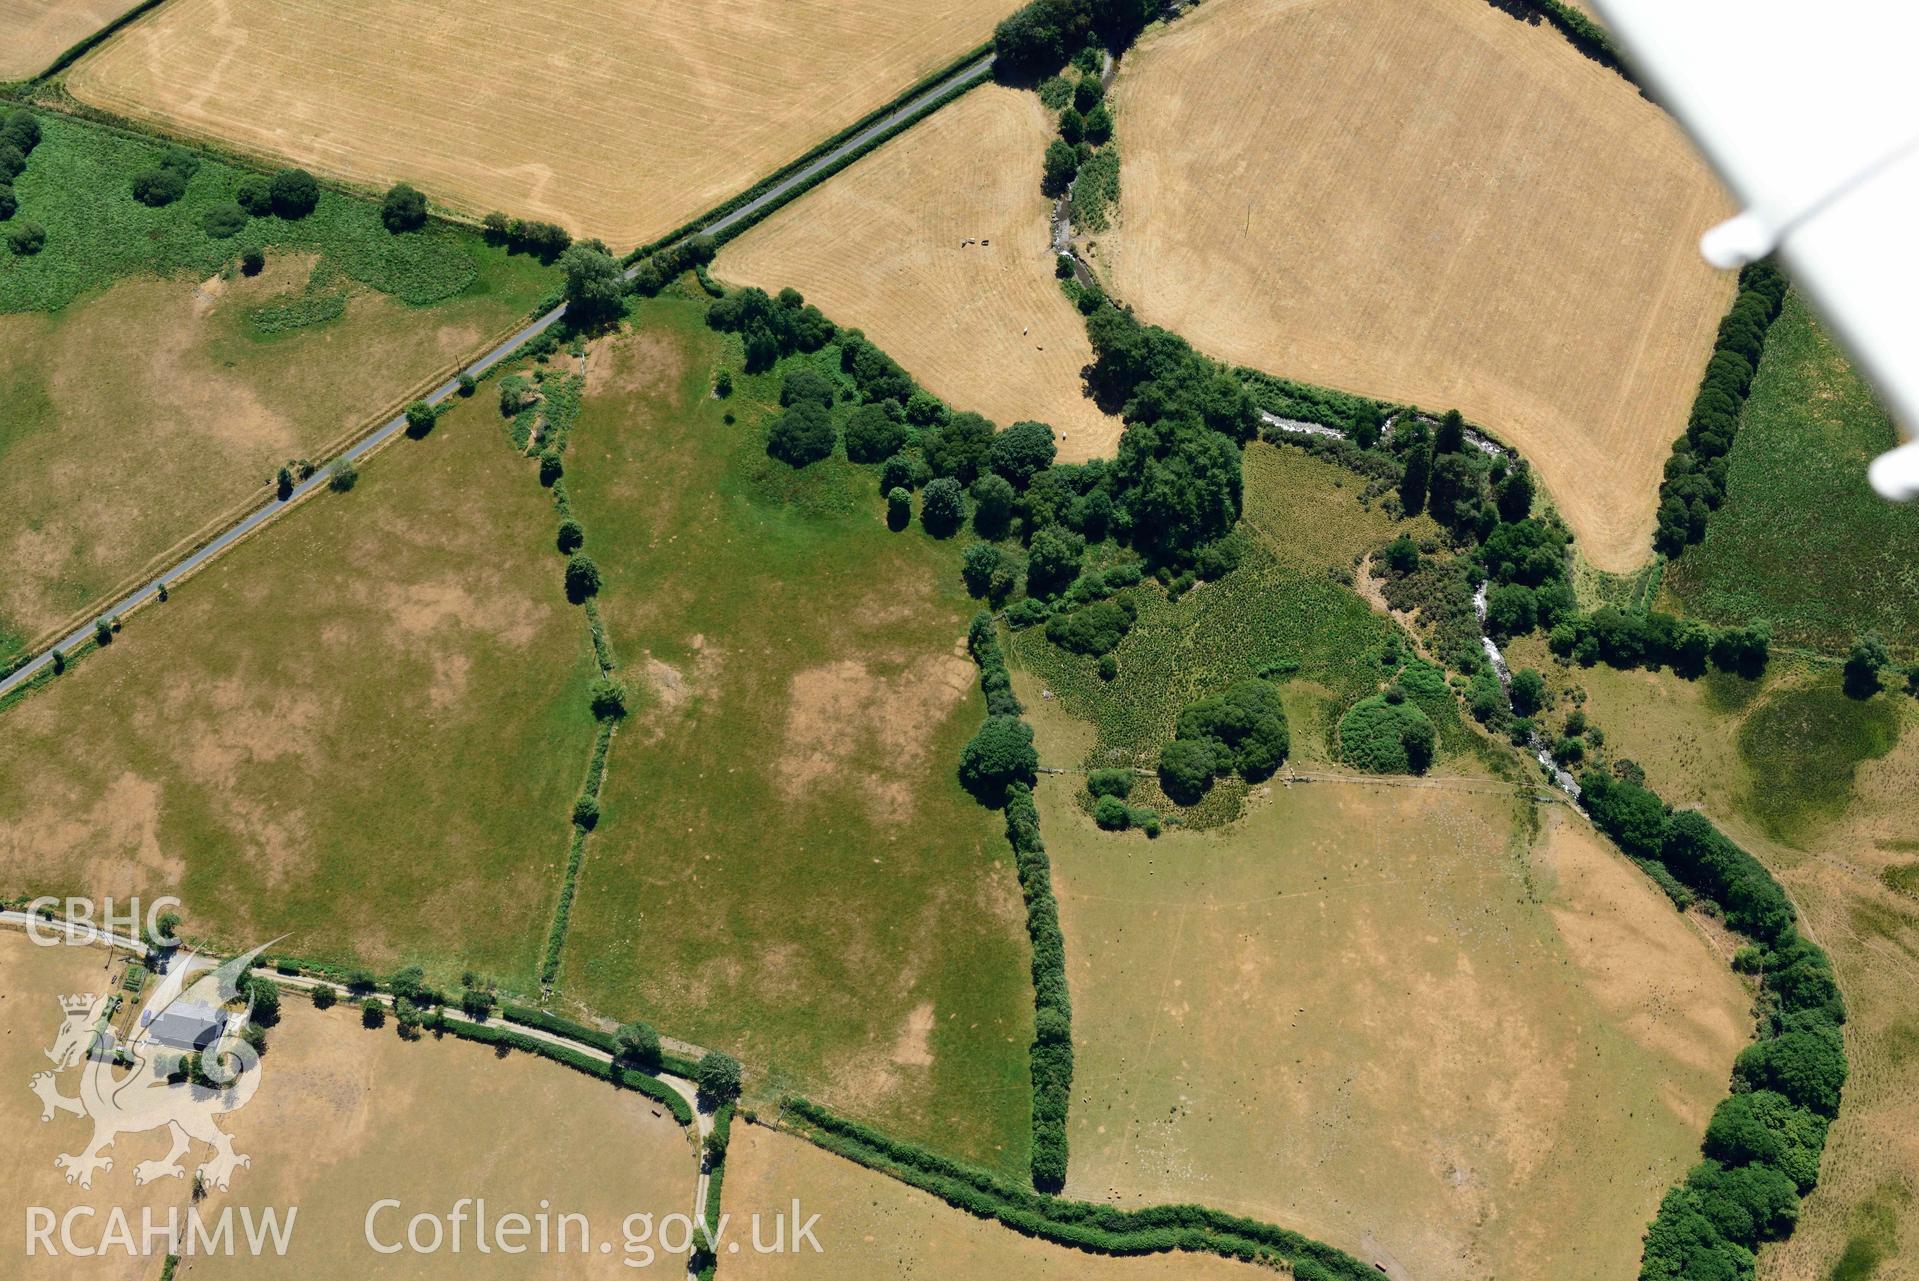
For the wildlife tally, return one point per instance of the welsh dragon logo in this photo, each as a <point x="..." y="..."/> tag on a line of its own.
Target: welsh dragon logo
<point x="180" y="1066"/>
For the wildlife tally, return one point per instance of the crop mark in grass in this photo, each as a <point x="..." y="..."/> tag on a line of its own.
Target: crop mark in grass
<point x="1874" y="1237"/>
<point x="1804" y="745"/>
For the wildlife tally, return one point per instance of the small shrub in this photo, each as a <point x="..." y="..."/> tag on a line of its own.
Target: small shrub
<point x="551" y="468"/>
<point x="157" y="188"/>
<point x="582" y="577"/>
<point x="607" y="699"/>
<point x="586" y="813"/>
<point x="255" y="196"/>
<point x="420" y="418"/>
<point x="342" y="475"/>
<point x="323" y="998"/>
<point x="222" y="222"/>
<point x="26" y="238"/>
<point x="372" y="1013"/>
<point x="1110" y="782"/>
<point x="252" y="262"/>
<point x="294" y="193"/>
<point x="899" y="509"/>
<point x="571" y="536"/>
<point x="1111" y="814"/>
<point x="404" y="209"/>
<point x="468" y="384"/>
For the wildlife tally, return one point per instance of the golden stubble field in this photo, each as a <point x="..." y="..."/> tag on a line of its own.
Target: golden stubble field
<point x="872" y="1226"/>
<point x="38" y="31"/>
<point x="938" y="246"/>
<point x="1428" y="201"/>
<point x="619" y="119"/>
<point x="1384" y="1017"/>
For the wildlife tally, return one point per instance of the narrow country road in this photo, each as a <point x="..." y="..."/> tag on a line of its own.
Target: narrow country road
<point x="970" y="74"/>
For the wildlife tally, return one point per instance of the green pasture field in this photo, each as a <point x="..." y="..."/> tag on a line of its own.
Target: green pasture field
<point x="786" y="866"/>
<point x="150" y="387"/>
<point x="362" y="729"/>
<point x="1802" y="541"/>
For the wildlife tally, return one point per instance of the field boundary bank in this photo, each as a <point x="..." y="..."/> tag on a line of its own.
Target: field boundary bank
<point x="1093" y="1227"/>
<point x="1050" y="1057"/>
<point x="1688" y="496"/>
<point x="559" y="420"/>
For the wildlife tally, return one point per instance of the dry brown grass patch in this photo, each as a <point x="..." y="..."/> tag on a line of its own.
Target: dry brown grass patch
<point x="845" y="713"/>
<point x="884" y="247"/>
<point x="1425" y="200"/>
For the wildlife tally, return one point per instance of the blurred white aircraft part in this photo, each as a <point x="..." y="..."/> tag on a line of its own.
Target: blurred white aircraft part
<point x="1809" y="110"/>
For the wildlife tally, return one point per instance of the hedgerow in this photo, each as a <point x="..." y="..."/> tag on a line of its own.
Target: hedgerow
<point x="1695" y="483"/>
<point x="1762" y="1146"/>
<point x="1052" y="1049"/>
<point x="1095" y="1227"/>
<point x="1627" y="639"/>
<point x="625" y="1078"/>
<point x="1580" y="31"/>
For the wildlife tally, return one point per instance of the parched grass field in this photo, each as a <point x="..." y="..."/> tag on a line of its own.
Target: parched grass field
<point x="620" y="119"/>
<point x="1802" y="541"/>
<point x="873" y="1226"/>
<point x="786" y="866"/>
<point x="363" y="728"/>
<point x="1425" y="200"/>
<point x="38" y="31"/>
<point x="347" y="1116"/>
<point x="1849" y="857"/>
<point x="938" y="245"/>
<point x="1390" y="1018"/>
<point x="32" y="981"/>
<point x="152" y="389"/>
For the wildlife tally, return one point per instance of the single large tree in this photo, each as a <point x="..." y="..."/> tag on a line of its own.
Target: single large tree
<point x="594" y="285"/>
